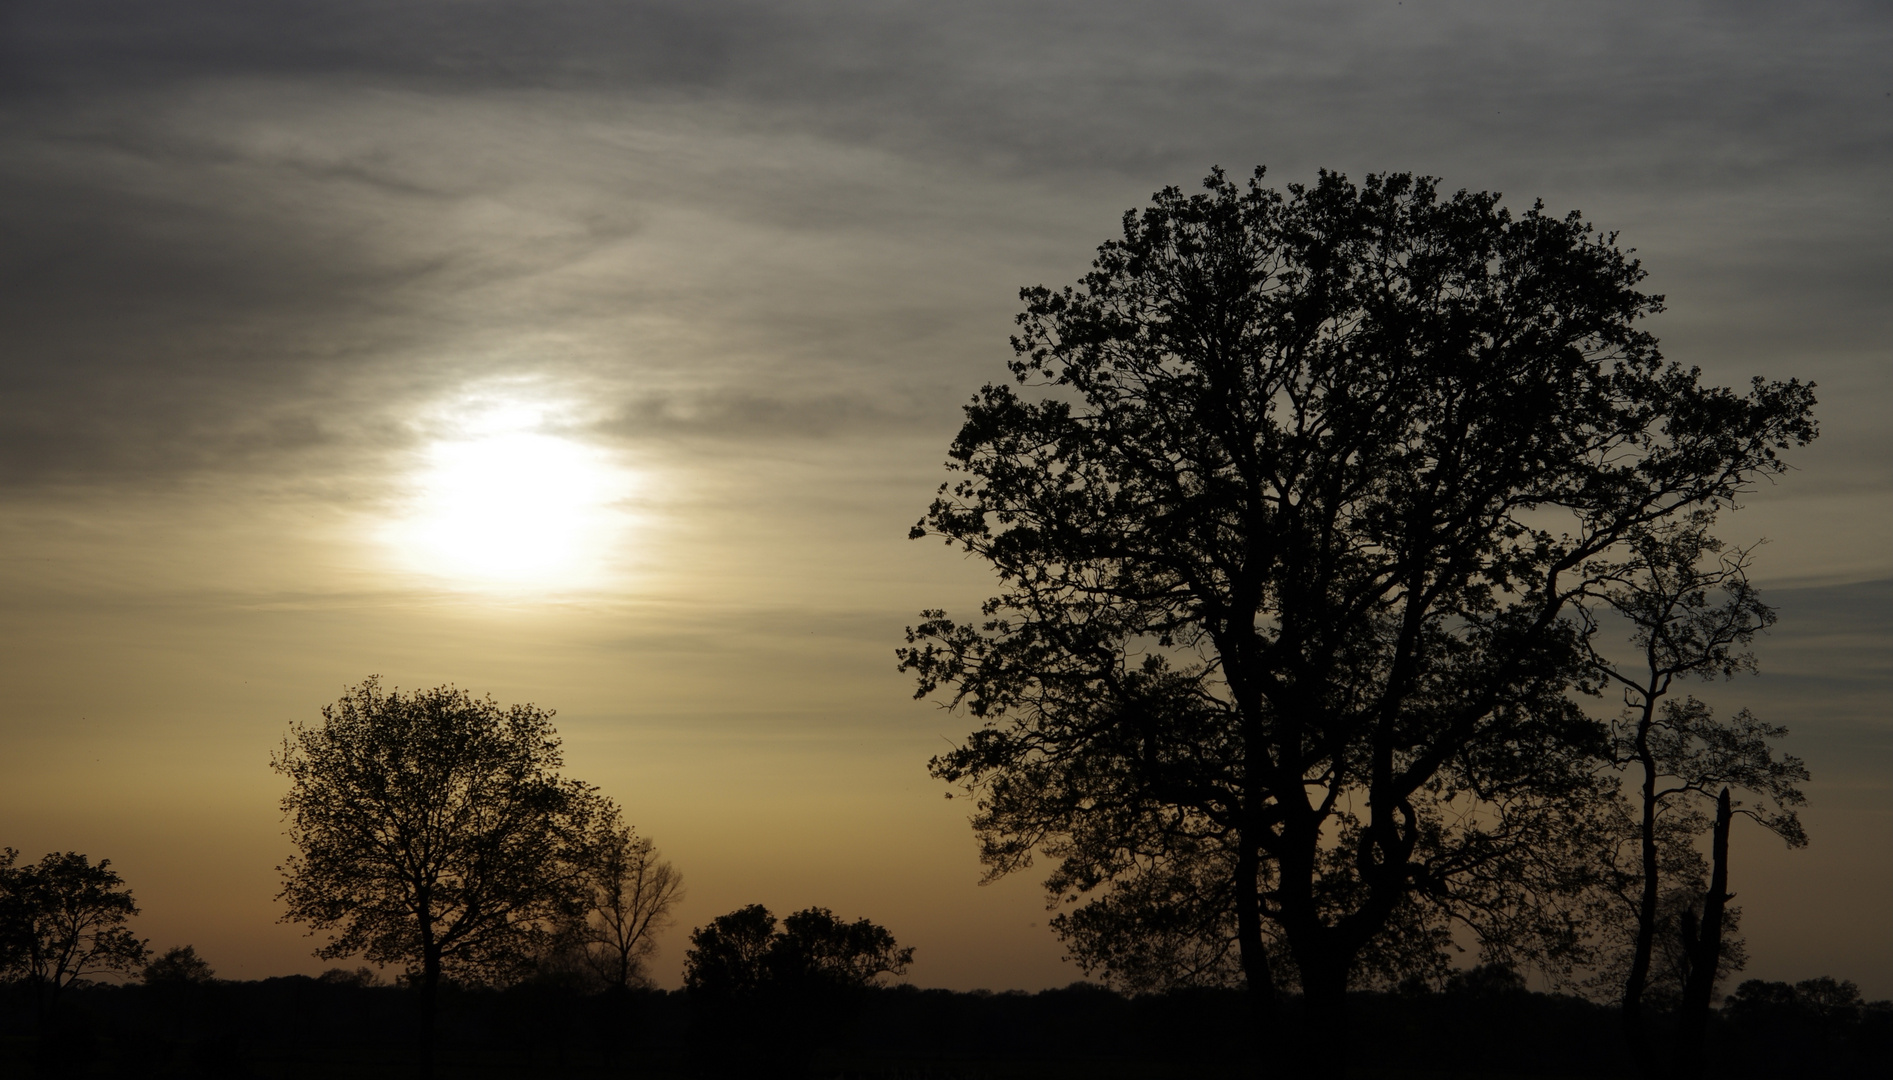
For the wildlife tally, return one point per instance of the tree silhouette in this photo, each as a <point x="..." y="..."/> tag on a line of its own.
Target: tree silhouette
<point x="1692" y="614"/>
<point x="764" y="999"/>
<point x="14" y="923"/>
<point x="433" y="830"/>
<point x="180" y="966"/>
<point x="743" y="953"/>
<point x="62" y="920"/>
<point x="629" y="894"/>
<point x="729" y="956"/>
<point x="816" y="950"/>
<point x="1288" y="542"/>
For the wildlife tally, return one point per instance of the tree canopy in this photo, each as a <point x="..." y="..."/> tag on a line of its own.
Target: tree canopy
<point x="179" y="966"/>
<point x="433" y="830"/>
<point x="743" y="953"/>
<point x="765" y="998"/>
<point x="63" y="918"/>
<point x="1291" y="521"/>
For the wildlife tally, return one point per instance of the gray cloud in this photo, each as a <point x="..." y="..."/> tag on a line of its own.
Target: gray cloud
<point x="738" y="414"/>
<point x="150" y="332"/>
<point x="1078" y="84"/>
<point x="246" y="236"/>
<point x="447" y="43"/>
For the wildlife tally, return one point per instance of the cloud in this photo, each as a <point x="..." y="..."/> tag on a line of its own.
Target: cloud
<point x="249" y="237"/>
<point x="742" y="415"/>
<point x="442" y="43"/>
<point x="1066" y="84"/>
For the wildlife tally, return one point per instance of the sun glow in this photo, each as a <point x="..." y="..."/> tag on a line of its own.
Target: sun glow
<point x="501" y="497"/>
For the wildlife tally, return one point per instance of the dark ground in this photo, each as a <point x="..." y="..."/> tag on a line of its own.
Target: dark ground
<point x="299" y="1027"/>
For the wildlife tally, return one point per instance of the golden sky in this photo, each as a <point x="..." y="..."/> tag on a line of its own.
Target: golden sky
<point x="600" y="356"/>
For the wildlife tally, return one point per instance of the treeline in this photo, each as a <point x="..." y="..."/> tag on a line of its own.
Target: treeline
<point x="1482" y="1023"/>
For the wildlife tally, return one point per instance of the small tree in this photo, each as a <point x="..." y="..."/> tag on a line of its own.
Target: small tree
<point x="1692" y="615"/>
<point x="180" y="966"/>
<point x="433" y="830"/>
<point x="743" y="953"/>
<point x="763" y="999"/>
<point x="61" y="920"/>
<point x="816" y="950"/>
<point x="729" y="957"/>
<point x="629" y="896"/>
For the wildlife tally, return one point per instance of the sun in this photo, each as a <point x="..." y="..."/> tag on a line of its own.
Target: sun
<point x="501" y="496"/>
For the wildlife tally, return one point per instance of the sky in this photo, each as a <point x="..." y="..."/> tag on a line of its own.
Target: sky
<point x="601" y="354"/>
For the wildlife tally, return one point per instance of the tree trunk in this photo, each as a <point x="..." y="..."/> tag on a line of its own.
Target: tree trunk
<point x="429" y="1007"/>
<point x="1322" y="1048"/>
<point x="1256" y="969"/>
<point x="1704" y="949"/>
<point x="430" y="978"/>
<point x="46" y="1058"/>
<point x="1258" y="974"/>
<point x="1636" y="1032"/>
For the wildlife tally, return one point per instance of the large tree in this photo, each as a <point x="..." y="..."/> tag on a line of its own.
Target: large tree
<point x="1289" y="527"/>
<point x="433" y="830"/>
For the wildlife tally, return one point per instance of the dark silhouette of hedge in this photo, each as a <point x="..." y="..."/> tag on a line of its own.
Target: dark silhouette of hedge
<point x="1483" y="1023"/>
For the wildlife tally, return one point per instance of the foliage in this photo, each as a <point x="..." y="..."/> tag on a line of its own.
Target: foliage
<point x="180" y="966"/>
<point x="764" y="1000"/>
<point x="63" y="919"/>
<point x="1669" y="962"/>
<point x="13" y="915"/>
<point x="360" y="978"/>
<point x="728" y="957"/>
<point x="433" y="830"/>
<point x="816" y="949"/>
<point x="1825" y="998"/>
<point x="1289" y="543"/>
<point x="743" y="954"/>
<point x="1170" y="925"/>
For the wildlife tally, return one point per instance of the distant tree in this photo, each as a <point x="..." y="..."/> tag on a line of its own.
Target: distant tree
<point x="1692" y="614"/>
<point x="14" y="932"/>
<point x="816" y="950"/>
<point x="433" y="830"/>
<point x="1824" y="998"/>
<point x="1289" y="533"/>
<point x="763" y="999"/>
<point x="629" y="895"/>
<point x="360" y="978"/>
<point x="1815" y="1027"/>
<point x="744" y="953"/>
<point x="62" y="920"/>
<point x="180" y="966"/>
<point x="729" y="956"/>
<point x="1485" y="980"/>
